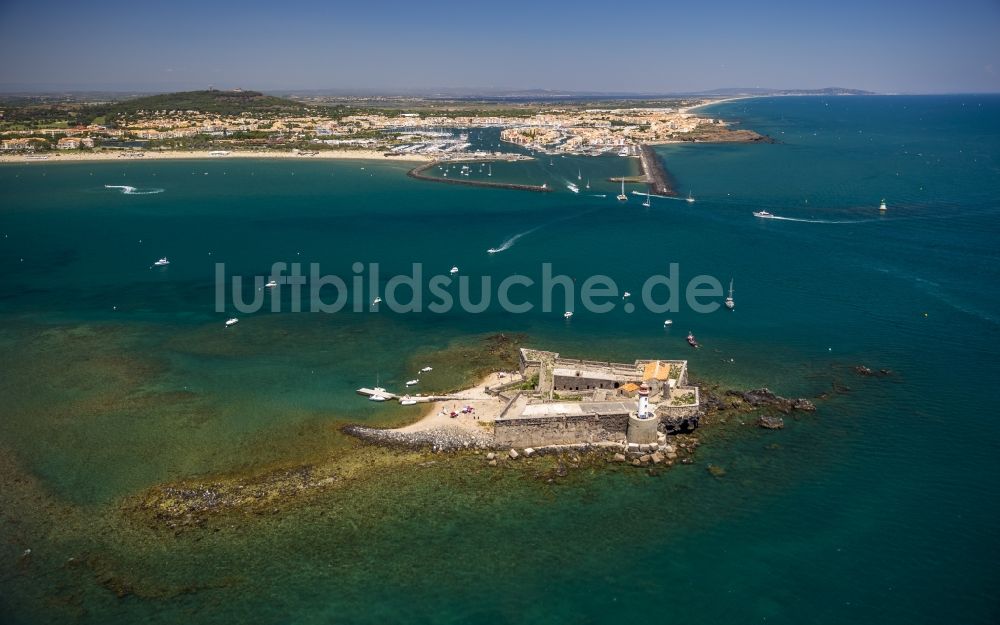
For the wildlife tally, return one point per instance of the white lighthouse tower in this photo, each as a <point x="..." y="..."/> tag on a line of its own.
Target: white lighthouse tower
<point x="643" y="425"/>
<point x="644" y="401"/>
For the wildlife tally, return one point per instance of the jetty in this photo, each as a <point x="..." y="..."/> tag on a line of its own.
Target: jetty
<point x="368" y="392"/>
<point x="418" y="172"/>
<point x="656" y="176"/>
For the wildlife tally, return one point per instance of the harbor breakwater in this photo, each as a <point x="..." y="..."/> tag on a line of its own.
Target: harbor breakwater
<point x="659" y="181"/>
<point x="418" y="173"/>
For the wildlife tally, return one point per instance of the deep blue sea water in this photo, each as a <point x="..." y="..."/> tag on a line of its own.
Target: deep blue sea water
<point x="880" y="508"/>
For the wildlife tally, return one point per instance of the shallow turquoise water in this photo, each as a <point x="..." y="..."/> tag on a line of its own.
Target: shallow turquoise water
<point x="879" y="508"/>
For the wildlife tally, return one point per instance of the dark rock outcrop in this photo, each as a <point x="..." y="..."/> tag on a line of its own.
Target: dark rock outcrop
<point x="769" y="422"/>
<point x="764" y="398"/>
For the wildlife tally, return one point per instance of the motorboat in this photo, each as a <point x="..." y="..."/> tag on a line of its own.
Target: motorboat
<point x="426" y="369"/>
<point x="691" y="340"/>
<point x="621" y="196"/>
<point x="376" y="301"/>
<point x="881" y="206"/>
<point x="763" y="214"/>
<point x="492" y="250"/>
<point x="163" y="262"/>
<point x="271" y="284"/>
<point x="626" y="295"/>
<point x="730" y="304"/>
<point x="567" y="314"/>
<point x="412" y="382"/>
<point x="453" y="270"/>
<point x="232" y="322"/>
<point x="668" y="322"/>
<point x="407" y="401"/>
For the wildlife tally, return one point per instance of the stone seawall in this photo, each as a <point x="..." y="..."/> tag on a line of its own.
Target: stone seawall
<point x="440" y="438"/>
<point x="656" y="176"/>
<point x="418" y="172"/>
<point x="520" y="432"/>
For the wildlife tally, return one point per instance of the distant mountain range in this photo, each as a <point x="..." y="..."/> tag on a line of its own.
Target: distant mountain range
<point x="237" y="100"/>
<point x="553" y="94"/>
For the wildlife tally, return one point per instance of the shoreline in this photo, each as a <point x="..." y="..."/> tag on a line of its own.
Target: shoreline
<point x="689" y="109"/>
<point x="89" y="157"/>
<point x="438" y="429"/>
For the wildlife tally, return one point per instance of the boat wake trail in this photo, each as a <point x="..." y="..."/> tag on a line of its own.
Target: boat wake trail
<point x="823" y="221"/>
<point x="509" y="243"/>
<point x="506" y="245"/>
<point x="127" y="190"/>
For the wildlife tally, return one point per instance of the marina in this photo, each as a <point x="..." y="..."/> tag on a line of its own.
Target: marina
<point x="419" y="172"/>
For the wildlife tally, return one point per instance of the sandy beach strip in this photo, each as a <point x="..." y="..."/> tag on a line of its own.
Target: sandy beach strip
<point x="689" y="109"/>
<point x="158" y="155"/>
<point x="486" y="407"/>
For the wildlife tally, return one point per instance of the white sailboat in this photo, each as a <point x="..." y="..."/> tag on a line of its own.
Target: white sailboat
<point x="730" y="304"/>
<point x="621" y="196"/>
<point x="379" y="392"/>
<point x="647" y="203"/>
<point x="690" y="198"/>
<point x="588" y="183"/>
<point x="579" y="175"/>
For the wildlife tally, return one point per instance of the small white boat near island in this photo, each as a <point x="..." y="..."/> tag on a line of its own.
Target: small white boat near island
<point x="453" y="270"/>
<point x="378" y="393"/>
<point x="163" y="262"/>
<point x="232" y="322"/>
<point x="567" y="314"/>
<point x="668" y="322"/>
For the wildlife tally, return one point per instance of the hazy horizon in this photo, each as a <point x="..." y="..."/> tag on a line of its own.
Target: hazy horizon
<point x="400" y="48"/>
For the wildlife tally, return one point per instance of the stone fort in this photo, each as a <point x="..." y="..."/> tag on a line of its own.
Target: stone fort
<point x="570" y="401"/>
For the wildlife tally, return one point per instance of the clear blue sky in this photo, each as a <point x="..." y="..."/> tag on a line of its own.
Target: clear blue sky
<point x="919" y="46"/>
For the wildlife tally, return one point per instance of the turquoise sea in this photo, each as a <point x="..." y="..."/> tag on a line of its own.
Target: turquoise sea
<point x="879" y="508"/>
